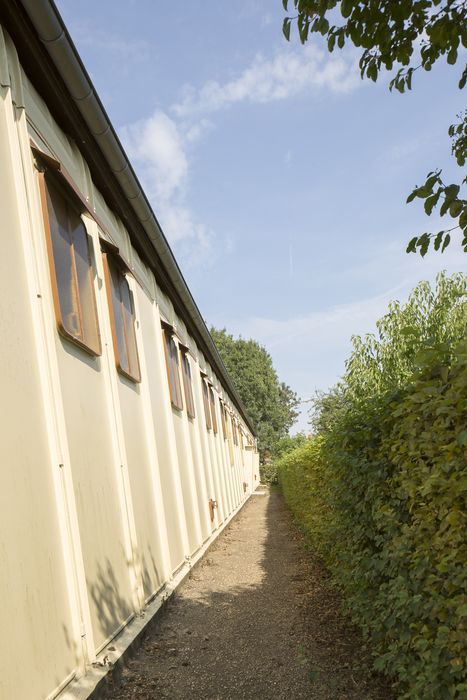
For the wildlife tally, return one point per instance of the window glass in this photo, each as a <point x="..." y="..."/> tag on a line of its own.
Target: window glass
<point x="234" y="431"/>
<point x="229" y="425"/>
<point x="71" y="267"/>
<point x="117" y="317"/>
<point x="207" y="412"/>
<point x="186" y="371"/>
<point x="129" y="324"/>
<point x="173" y="373"/>
<point x="123" y="320"/>
<point x="176" y="369"/>
<point x="84" y="279"/>
<point x="224" y="427"/>
<point x="213" y="410"/>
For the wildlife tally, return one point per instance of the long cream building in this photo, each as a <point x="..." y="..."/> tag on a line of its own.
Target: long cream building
<point x="124" y="446"/>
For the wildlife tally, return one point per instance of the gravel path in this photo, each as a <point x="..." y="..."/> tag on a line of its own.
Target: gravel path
<point x="256" y="619"/>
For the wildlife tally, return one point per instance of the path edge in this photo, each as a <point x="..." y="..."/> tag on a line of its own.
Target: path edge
<point x="94" y="684"/>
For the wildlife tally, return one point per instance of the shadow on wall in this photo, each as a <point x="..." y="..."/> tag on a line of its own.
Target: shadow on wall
<point x="256" y="619"/>
<point x="113" y="609"/>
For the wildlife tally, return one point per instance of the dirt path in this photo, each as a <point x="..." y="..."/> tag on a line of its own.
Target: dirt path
<point x="256" y="619"/>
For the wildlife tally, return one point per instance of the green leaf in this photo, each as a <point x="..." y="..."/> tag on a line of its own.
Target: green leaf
<point x="456" y="208"/>
<point x="372" y="71"/>
<point x="423" y="243"/>
<point x="451" y="192"/>
<point x="446" y="242"/>
<point x="431" y="202"/>
<point x="463" y="79"/>
<point x="438" y="240"/>
<point x="286" y="28"/>
<point x="452" y="56"/>
<point x="346" y="8"/>
<point x="411" y="248"/>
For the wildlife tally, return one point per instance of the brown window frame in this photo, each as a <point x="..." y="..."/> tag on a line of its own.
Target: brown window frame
<point x="173" y="370"/>
<point x="187" y="383"/>
<point x="223" y="419"/>
<point x="207" y="411"/>
<point x="212" y="405"/>
<point x="133" y="373"/>
<point x="47" y="185"/>
<point x="234" y="431"/>
<point x="229" y="436"/>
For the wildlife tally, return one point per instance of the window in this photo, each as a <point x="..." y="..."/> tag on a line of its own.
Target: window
<point x="173" y="373"/>
<point x="207" y="412"/>
<point x="234" y="431"/>
<point x="69" y="250"/>
<point x="186" y="373"/>
<point x="223" y="419"/>
<point x="212" y="403"/>
<point x="122" y="319"/>
<point x="228" y="425"/>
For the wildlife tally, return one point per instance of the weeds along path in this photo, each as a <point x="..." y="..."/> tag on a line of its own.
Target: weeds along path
<point x="256" y="619"/>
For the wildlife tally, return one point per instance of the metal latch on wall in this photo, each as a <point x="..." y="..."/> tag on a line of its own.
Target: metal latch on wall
<point x="212" y="505"/>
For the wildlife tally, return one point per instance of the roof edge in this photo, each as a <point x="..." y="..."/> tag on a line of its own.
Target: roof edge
<point x="54" y="37"/>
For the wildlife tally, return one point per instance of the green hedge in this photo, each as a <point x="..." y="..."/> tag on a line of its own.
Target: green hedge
<point x="381" y="495"/>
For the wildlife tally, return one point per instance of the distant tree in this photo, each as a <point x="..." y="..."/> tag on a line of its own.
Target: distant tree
<point x="282" y="447"/>
<point x="325" y="406"/>
<point x="270" y="403"/>
<point x="288" y="443"/>
<point x="407" y="34"/>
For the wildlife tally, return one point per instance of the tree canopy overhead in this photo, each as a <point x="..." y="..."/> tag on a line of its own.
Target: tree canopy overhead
<point x="406" y="35"/>
<point x="269" y="402"/>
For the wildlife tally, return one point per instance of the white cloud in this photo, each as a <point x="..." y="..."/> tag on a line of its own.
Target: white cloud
<point x="288" y="74"/>
<point x="195" y="132"/>
<point x="127" y="49"/>
<point x="157" y="147"/>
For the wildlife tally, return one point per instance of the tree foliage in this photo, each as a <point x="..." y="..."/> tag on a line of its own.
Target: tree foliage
<point x="283" y="446"/>
<point x="270" y="403"/>
<point x="405" y="35"/>
<point x="382" y="489"/>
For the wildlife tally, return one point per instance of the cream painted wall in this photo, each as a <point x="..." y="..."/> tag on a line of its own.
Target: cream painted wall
<point x="35" y="613"/>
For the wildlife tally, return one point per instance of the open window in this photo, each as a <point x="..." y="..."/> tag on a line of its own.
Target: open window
<point x="187" y="385"/>
<point x="223" y="419"/>
<point x="69" y="250"/>
<point x="234" y="431"/>
<point x="122" y="316"/>
<point x="229" y="425"/>
<point x="212" y="403"/>
<point x="173" y="370"/>
<point x="207" y="412"/>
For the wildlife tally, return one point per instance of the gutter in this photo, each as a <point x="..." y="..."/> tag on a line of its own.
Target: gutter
<point x="56" y="40"/>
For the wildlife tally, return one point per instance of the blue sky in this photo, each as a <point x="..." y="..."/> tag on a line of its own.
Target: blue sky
<point x="279" y="177"/>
